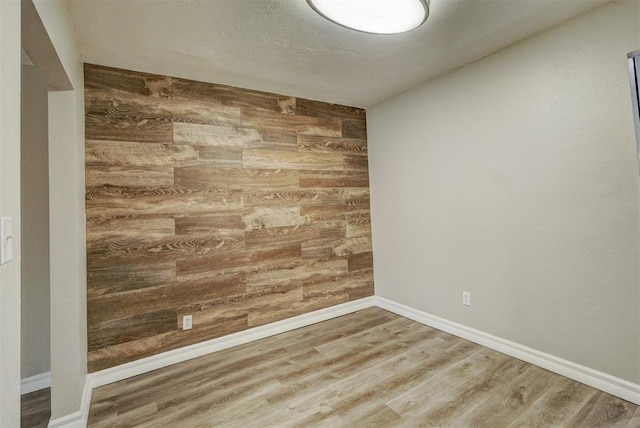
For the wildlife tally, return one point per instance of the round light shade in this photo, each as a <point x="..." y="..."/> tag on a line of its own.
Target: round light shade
<point x="374" y="16"/>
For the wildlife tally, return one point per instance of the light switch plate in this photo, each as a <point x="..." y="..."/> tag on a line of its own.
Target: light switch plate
<point x="6" y="240"/>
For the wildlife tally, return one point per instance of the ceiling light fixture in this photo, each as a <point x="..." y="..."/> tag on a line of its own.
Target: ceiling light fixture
<point x="374" y="16"/>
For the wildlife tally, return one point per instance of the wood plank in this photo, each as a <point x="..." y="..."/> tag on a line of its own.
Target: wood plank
<point x="263" y="218"/>
<point x="129" y="107"/>
<point x="505" y="406"/>
<point x="220" y="156"/>
<point x="128" y="226"/>
<point x="356" y="163"/>
<point x="102" y="251"/>
<point x="560" y="403"/>
<point x="171" y="296"/>
<point x="217" y="136"/>
<point x="334" y="179"/>
<point x="313" y="213"/>
<point x="97" y="77"/>
<point x="311" y="108"/>
<point x="268" y="121"/>
<point x="292" y="197"/>
<point x="358" y="283"/>
<point x="119" y="153"/>
<point x="265" y="316"/>
<point x="109" y="333"/>
<point x="112" y="200"/>
<point x="35" y="409"/>
<point x="245" y="260"/>
<point x="202" y="224"/>
<point x="358" y="226"/>
<point x="129" y="276"/>
<point x="102" y="127"/>
<point x="256" y="299"/>
<point x="360" y="261"/>
<point x="354" y="129"/>
<point x="604" y="410"/>
<point x="307" y="233"/>
<point x="131" y="351"/>
<point x="296" y="272"/>
<point x="232" y="96"/>
<point x="350" y="246"/>
<point x="207" y="177"/>
<point x="280" y="159"/>
<point x="129" y="176"/>
<point x="348" y="146"/>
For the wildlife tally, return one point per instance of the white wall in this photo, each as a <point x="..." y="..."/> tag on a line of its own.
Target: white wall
<point x="10" y="206"/>
<point x="67" y="218"/>
<point x="515" y="178"/>
<point x="34" y="209"/>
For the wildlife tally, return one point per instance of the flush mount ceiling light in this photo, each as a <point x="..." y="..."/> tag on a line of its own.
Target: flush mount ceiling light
<point x="374" y="16"/>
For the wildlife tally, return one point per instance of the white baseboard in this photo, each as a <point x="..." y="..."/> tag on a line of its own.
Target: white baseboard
<point x="168" y="358"/>
<point x="35" y="383"/>
<point x="79" y="418"/>
<point x="610" y="384"/>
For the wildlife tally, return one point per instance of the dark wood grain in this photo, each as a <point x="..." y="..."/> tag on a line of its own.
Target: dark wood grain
<point x="312" y="108"/>
<point x="235" y="206"/>
<point x="354" y="129"/>
<point x="361" y="261"/>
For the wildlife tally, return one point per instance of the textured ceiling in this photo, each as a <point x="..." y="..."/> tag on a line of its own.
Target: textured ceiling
<point x="283" y="46"/>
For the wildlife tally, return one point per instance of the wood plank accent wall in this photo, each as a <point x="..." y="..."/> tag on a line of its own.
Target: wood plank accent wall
<point x="238" y="207"/>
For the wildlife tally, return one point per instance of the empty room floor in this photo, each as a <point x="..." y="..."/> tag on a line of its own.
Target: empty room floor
<point x="35" y="409"/>
<point x="370" y="368"/>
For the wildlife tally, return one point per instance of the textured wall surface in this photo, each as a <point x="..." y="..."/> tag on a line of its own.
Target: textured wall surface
<point x="515" y="178"/>
<point x="34" y="209"/>
<point x="238" y="207"/>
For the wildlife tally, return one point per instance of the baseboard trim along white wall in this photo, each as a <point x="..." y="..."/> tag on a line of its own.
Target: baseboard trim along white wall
<point x="610" y="384"/>
<point x="35" y="383"/>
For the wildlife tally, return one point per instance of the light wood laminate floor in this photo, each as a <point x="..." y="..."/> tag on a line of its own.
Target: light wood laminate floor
<point x="35" y="409"/>
<point x="370" y="368"/>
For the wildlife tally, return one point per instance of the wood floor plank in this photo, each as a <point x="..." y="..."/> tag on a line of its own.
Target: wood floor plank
<point x="35" y="409"/>
<point x="370" y="368"/>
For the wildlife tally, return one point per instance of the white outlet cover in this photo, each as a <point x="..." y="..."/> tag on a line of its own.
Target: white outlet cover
<point x="466" y="298"/>
<point x="187" y="322"/>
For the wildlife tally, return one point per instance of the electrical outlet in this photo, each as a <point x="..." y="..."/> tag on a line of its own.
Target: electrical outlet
<point x="187" y="322"/>
<point x="466" y="298"/>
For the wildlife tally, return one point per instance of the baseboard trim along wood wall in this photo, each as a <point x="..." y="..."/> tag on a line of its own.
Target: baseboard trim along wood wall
<point x="610" y="384"/>
<point x="35" y="383"/>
